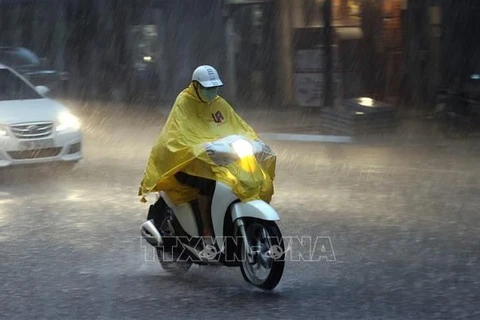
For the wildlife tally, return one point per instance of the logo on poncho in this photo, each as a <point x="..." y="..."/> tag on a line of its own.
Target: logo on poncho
<point x="218" y="117"/>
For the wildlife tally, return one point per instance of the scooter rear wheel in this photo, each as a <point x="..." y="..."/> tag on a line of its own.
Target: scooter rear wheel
<point x="169" y="261"/>
<point x="171" y="257"/>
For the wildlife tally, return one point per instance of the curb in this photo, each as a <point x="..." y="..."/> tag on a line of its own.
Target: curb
<point x="371" y="141"/>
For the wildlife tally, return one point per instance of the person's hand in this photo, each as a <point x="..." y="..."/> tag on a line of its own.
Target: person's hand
<point x="213" y="155"/>
<point x="210" y="152"/>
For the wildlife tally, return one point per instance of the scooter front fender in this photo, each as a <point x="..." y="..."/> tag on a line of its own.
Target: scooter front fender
<point x="258" y="209"/>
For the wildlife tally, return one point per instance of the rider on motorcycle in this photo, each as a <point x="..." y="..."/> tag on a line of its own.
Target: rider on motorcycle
<point x="199" y="115"/>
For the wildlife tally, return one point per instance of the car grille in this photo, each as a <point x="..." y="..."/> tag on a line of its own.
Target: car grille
<point x="32" y="130"/>
<point x="35" y="154"/>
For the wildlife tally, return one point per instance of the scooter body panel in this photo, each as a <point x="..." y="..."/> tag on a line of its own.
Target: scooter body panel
<point x="185" y="216"/>
<point x="223" y="198"/>
<point x="258" y="209"/>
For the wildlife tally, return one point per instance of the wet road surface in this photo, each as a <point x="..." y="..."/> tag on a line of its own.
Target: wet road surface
<point x="403" y="224"/>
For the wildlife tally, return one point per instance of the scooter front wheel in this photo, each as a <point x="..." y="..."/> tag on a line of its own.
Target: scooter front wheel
<point x="265" y="268"/>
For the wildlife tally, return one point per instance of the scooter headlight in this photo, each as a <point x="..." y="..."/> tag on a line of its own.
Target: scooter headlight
<point x="242" y="148"/>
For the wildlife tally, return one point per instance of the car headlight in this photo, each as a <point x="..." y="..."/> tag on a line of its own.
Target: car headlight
<point x="242" y="148"/>
<point x="67" y="121"/>
<point x="3" y="131"/>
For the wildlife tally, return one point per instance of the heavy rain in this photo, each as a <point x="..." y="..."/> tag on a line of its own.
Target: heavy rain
<point x="342" y="148"/>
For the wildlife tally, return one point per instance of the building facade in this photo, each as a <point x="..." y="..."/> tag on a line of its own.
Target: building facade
<point x="123" y="48"/>
<point x="269" y="51"/>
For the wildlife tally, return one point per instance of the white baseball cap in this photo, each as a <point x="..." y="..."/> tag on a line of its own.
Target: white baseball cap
<point x="207" y="76"/>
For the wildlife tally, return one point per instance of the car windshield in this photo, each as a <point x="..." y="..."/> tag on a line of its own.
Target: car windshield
<point x="14" y="88"/>
<point x="19" y="57"/>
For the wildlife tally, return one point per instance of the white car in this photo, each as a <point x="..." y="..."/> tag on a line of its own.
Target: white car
<point x="33" y="128"/>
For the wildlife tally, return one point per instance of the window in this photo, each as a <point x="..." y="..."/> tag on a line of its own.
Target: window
<point x="346" y="12"/>
<point x="14" y="88"/>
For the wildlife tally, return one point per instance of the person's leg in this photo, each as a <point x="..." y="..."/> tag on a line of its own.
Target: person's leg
<point x="206" y="189"/>
<point x="205" y="204"/>
<point x="205" y="197"/>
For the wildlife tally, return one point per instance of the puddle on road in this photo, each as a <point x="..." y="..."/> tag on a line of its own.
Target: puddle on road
<point x="6" y="200"/>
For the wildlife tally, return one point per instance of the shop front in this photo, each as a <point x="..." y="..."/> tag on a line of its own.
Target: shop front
<point x="365" y="47"/>
<point x="251" y="39"/>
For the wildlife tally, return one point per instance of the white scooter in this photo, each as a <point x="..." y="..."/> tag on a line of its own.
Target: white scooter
<point x="246" y="233"/>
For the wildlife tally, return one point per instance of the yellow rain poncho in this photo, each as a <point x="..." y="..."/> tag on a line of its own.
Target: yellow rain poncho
<point x="180" y="147"/>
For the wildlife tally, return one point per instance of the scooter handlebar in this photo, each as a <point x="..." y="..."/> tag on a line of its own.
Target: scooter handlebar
<point x="222" y="152"/>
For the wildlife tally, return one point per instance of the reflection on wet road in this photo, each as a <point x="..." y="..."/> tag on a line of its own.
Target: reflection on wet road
<point x="403" y="223"/>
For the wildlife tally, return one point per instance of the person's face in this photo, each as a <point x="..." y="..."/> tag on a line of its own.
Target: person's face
<point x="208" y="94"/>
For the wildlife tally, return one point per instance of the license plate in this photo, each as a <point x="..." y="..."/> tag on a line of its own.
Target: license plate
<point x="36" y="144"/>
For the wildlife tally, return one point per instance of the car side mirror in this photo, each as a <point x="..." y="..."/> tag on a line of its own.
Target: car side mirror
<point x="44" y="62"/>
<point x="42" y="90"/>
